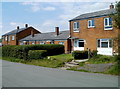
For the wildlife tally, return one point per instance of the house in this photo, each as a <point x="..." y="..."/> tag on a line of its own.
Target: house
<point x="12" y="37"/>
<point x="57" y="37"/>
<point x="95" y="31"/>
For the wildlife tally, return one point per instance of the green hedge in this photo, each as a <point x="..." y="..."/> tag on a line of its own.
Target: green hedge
<point x="37" y="54"/>
<point x="80" y="54"/>
<point x="21" y="51"/>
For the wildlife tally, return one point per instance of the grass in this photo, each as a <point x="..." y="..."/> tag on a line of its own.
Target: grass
<point x="59" y="61"/>
<point x="101" y="59"/>
<point x="52" y="62"/>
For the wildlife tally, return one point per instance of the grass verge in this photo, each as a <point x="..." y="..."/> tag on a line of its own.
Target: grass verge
<point x="52" y="62"/>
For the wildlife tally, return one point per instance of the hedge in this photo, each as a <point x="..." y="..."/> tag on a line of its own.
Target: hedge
<point x="37" y="54"/>
<point x="21" y="51"/>
<point x="80" y="54"/>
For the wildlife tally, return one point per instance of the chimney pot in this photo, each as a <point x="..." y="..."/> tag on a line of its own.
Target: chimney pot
<point x="26" y="25"/>
<point x="57" y="30"/>
<point x="18" y="27"/>
<point x="111" y="6"/>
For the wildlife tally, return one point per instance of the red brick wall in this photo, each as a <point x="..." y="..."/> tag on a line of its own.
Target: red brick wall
<point x="91" y="34"/>
<point x="19" y="36"/>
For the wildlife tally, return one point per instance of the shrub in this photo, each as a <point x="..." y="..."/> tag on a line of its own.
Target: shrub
<point x="37" y="54"/>
<point x="21" y="51"/>
<point x="80" y="54"/>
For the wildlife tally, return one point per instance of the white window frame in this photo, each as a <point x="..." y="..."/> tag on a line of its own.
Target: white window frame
<point x="76" y="42"/>
<point x="108" y="24"/>
<point x="101" y="40"/>
<point x="76" y="27"/>
<point x="42" y="42"/>
<point x="62" y="43"/>
<point x="6" y="38"/>
<point x="13" y="37"/>
<point x="21" y="43"/>
<point x="91" y="22"/>
<point x="33" y="43"/>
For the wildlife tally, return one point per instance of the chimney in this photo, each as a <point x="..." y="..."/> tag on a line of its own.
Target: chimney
<point x="26" y="25"/>
<point x="18" y="28"/>
<point x="111" y="6"/>
<point x="32" y="33"/>
<point x="57" y="30"/>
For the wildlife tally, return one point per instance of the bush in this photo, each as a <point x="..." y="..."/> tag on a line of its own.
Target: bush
<point x="80" y="54"/>
<point x="21" y="51"/>
<point x="37" y="54"/>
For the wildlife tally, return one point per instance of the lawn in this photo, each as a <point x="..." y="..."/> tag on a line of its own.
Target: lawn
<point x="57" y="61"/>
<point x="50" y="61"/>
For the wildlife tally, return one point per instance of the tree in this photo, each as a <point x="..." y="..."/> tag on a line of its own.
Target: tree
<point x="116" y="16"/>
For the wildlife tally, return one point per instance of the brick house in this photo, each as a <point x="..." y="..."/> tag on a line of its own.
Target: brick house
<point x="12" y="37"/>
<point x="57" y="37"/>
<point x="94" y="31"/>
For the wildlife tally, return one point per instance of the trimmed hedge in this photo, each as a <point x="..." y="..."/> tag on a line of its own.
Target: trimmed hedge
<point x="21" y="51"/>
<point x="80" y="54"/>
<point x="37" y="54"/>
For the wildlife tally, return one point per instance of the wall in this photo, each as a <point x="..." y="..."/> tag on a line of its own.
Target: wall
<point x="92" y="34"/>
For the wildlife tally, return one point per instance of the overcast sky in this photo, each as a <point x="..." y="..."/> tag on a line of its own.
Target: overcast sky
<point x="45" y="16"/>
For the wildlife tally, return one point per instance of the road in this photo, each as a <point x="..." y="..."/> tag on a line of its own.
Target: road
<point x="21" y="75"/>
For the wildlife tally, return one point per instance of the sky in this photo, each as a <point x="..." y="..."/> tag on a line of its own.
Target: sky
<point x="45" y="16"/>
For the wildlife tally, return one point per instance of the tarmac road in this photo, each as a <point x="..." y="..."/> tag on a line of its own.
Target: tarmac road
<point x="21" y="75"/>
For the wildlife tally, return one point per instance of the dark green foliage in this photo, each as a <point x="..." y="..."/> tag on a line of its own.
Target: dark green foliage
<point x="80" y="54"/>
<point x="37" y="54"/>
<point x="116" y="16"/>
<point x="22" y="51"/>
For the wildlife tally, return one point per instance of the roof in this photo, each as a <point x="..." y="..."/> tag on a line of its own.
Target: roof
<point x="15" y="31"/>
<point x="47" y="36"/>
<point x="94" y="14"/>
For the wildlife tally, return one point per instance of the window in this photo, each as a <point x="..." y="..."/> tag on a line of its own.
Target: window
<point x="76" y="26"/>
<point x="61" y="43"/>
<point x="104" y="43"/>
<point x="6" y="38"/>
<point x="33" y="42"/>
<point x="79" y="43"/>
<point x="21" y="43"/>
<point x="107" y="23"/>
<point x="42" y="42"/>
<point x="52" y="42"/>
<point x="13" y="37"/>
<point x="91" y="24"/>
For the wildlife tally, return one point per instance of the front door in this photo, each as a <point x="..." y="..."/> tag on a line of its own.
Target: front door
<point x="79" y="44"/>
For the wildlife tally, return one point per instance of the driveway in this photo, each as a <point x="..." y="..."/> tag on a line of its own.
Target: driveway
<point x="21" y="75"/>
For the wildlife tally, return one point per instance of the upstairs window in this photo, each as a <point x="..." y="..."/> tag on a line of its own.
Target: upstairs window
<point x="107" y="23"/>
<point x="13" y="37"/>
<point x="91" y="24"/>
<point x="76" y="26"/>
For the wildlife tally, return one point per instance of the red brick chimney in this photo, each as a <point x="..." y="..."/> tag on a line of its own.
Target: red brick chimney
<point x="57" y="30"/>
<point x="32" y="33"/>
<point x="111" y="6"/>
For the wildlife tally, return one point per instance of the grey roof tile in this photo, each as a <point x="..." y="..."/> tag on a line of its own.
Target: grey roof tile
<point x="94" y="14"/>
<point x="15" y="31"/>
<point x="47" y="36"/>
